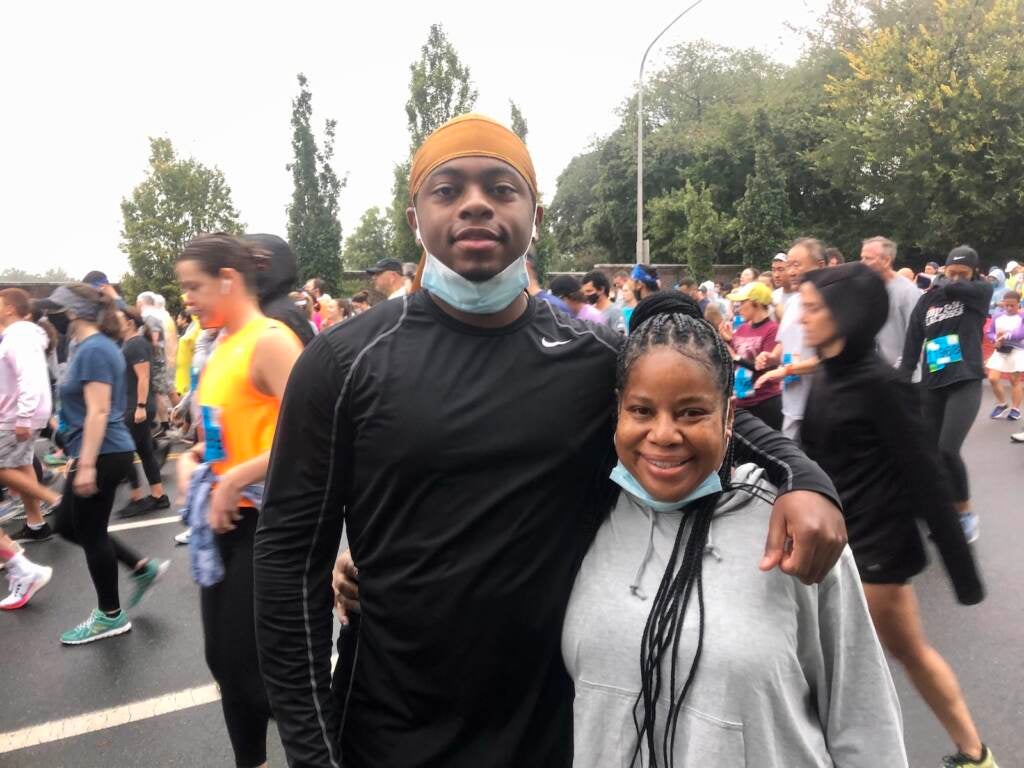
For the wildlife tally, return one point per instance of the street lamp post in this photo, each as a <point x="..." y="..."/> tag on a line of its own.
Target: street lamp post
<point x="641" y="255"/>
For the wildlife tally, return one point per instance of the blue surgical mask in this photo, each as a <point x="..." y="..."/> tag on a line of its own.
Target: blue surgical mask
<point x="483" y="298"/>
<point x="624" y="479"/>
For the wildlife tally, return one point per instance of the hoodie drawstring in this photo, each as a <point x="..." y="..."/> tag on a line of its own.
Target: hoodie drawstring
<point x="634" y="588"/>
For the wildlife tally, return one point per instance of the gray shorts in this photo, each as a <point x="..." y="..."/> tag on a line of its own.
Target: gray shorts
<point x="14" y="454"/>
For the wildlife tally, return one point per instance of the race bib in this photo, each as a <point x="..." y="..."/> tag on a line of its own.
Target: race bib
<point x="214" y="437"/>
<point x="790" y="380"/>
<point x="943" y="351"/>
<point x="744" y="385"/>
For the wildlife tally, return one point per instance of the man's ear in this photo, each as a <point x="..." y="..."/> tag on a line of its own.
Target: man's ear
<point x="538" y="219"/>
<point x="410" y="218"/>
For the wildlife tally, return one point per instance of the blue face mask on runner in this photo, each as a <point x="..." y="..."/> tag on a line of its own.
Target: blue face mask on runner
<point x="625" y="480"/>
<point x="483" y="298"/>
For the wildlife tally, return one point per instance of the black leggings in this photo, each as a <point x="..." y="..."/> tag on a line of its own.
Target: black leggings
<point x="229" y="630"/>
<point x="147" y="453"/>
<point x="770" y="411"/>
<point x="83" y="520"/>
<point x="950" y="413"/>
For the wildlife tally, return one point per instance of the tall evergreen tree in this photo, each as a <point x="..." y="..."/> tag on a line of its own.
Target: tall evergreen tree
<point x="314" y="231"/>
<point x="440" y="88"/>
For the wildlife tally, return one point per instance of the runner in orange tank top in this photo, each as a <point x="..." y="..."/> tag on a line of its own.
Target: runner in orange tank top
<point x="239" y="397"/>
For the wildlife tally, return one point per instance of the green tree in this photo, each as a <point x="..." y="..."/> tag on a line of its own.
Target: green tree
<point x="688" y="228"/>
<point x="314" y="231"/>
<point x="706" y="232"/>
<point x="52" y="275"/>
<point x="518" y="123"/>
<point x="924" y="126"/>
<point x="371" y="241"/>
<point x="763" y="220"/>
<point x="440" y="88"/>
<point x="177" y="201"/>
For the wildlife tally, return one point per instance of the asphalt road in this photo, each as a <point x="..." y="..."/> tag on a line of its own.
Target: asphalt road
<point x="162" y="658"/>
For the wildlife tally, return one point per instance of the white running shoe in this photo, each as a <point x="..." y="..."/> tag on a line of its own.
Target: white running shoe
<point x="24" y="587"/>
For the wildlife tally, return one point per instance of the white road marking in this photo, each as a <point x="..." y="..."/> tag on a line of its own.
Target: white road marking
<point x="112" y="717"/>
<point x="144" y="523"/>
<point x="57" y="730"/>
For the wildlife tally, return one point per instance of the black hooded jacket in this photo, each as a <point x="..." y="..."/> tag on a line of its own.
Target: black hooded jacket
<point x="863" y="426"/>
<point x="276" y="281"/>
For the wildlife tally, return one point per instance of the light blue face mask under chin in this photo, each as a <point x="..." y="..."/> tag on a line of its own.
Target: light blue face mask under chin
<point x="477" y="298"/>
<point x="483" y="298"/>
<point x="625" y="480"/>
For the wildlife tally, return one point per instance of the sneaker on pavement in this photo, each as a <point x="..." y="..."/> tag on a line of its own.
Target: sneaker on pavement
<point x="24" y="587"/>
<point x="1014" y="414"/>
<point x="28" y="536"/>
<point x="55" y="459"/>
<point x="1017" y="437"/>
<point x="969" y="523"/>
<point x="10" y="509"/>
<point x="144" y="506"/>
<point x="132" y="508"/>
<point x="998" y="411"/>
<point x="182" y="538"/>
<point x="960" y="760"/>
<point x="97" y="627"/>
<point x="150" y="574"/>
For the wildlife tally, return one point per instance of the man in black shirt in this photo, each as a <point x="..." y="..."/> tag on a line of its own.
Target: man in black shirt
<point x="464" y="435"/>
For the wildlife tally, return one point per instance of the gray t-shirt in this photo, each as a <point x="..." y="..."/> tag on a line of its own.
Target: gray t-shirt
<point x="614" y="319"/>
<point x="903" y="297"/>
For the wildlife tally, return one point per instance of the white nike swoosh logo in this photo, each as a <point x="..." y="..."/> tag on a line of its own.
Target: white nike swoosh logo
<point x="549" y="343"/>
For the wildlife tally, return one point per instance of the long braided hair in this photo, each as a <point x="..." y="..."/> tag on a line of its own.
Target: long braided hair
<point x="673" y="320"/>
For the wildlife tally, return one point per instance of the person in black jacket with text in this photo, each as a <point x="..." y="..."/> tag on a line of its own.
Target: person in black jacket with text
<point x="863" y="426"/>
<point x="949" y="321"/>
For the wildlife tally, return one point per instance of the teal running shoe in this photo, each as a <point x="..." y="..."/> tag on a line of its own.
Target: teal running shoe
<point x="98" y="626"/>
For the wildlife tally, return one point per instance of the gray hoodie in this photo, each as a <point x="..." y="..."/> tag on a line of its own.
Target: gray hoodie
<point x="790" y="675"/>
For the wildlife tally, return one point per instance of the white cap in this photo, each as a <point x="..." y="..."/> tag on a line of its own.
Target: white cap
<point x="1010" y="266"/>
<point x="779" y="257"/>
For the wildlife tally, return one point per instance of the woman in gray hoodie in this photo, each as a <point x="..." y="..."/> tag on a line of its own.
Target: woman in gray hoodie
<point x="736" y="667"/>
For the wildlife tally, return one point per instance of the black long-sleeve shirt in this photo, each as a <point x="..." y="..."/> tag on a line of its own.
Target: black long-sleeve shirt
<point x="952" y="307"/>
<point x="466" y="464"/>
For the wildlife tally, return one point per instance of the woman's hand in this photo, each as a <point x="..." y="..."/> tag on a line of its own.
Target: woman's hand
<point x="762" y="361"/>
<point x="140" y="415"/>
<point x="345" y="582"/>
<point x="772" y="375"/>
<point x="725" y="330"/>
<point x="85" y="481"/>
<point x="224" y="512"/>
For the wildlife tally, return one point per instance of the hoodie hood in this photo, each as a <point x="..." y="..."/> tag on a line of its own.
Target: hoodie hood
<point x="859" y="304"/>
<point x="281" y="275"/>
<point x="275" y="281"/>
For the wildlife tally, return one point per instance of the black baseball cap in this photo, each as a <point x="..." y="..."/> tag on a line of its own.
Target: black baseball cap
<point x="385" y="265"/>
<point x="963" y="254"/>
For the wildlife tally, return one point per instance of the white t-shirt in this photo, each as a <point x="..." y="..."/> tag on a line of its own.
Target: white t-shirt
<point x="791" y="336"/>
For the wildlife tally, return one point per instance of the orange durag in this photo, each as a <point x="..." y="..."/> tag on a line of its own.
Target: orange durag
<point x="469" y="135"/>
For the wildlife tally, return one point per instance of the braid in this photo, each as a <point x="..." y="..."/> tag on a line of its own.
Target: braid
<point x="674" y="321"/>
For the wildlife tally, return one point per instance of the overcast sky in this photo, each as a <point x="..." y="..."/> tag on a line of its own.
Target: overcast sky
<point x="85" y="84"/>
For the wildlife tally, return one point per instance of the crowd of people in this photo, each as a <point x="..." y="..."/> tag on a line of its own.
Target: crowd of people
<point x="556" y="498"/>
